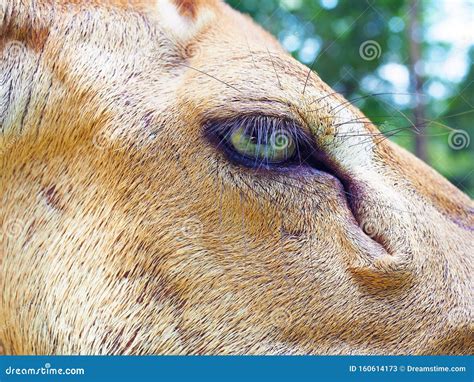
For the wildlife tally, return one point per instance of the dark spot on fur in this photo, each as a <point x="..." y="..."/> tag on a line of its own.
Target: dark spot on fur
<point x="129" y="343"/>
<point x="292" y="234"/>
<point x="52" y="197"/>
<point x="147" y="119"/>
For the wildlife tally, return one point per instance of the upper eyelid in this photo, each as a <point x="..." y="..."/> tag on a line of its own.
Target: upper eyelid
<point x="225" y="126"/>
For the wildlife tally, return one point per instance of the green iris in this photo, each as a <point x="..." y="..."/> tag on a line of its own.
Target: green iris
<point x="277" y="147"/>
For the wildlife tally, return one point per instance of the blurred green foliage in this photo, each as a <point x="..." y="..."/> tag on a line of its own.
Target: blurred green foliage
<point x="330" y="36"/>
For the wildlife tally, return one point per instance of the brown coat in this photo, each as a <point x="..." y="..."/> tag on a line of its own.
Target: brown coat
<point x="124" y="230"/>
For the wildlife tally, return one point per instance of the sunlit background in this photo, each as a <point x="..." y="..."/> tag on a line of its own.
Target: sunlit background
<point x="406" y="63"/>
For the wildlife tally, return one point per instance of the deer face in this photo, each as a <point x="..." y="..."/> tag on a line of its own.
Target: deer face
<point x="174" y="182"/>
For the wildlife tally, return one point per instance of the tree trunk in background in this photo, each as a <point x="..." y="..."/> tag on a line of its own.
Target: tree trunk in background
<point x="417" y="80"/>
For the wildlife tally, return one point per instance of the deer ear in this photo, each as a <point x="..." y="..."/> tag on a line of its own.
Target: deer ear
<point x="183" y="19"/>
<point x="188" y="8"/>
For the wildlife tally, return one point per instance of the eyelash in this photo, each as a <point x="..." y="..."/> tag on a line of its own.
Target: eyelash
<point x="219" y="132"/>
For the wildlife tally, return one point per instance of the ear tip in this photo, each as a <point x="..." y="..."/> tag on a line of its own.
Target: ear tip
<point x="187" y="8"/>
<point x="184" y="19"/>
<point x="190" y="8"/>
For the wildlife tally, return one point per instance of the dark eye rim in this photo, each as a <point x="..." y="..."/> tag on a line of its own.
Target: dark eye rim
<point x="217" y="131"/>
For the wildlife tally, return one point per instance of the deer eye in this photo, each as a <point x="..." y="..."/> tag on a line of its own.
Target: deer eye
<point x="260" y="141"/>
<point x="268" y="146"/>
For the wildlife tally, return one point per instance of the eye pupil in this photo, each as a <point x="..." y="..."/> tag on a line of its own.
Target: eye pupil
<point x="280" y="140"/>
